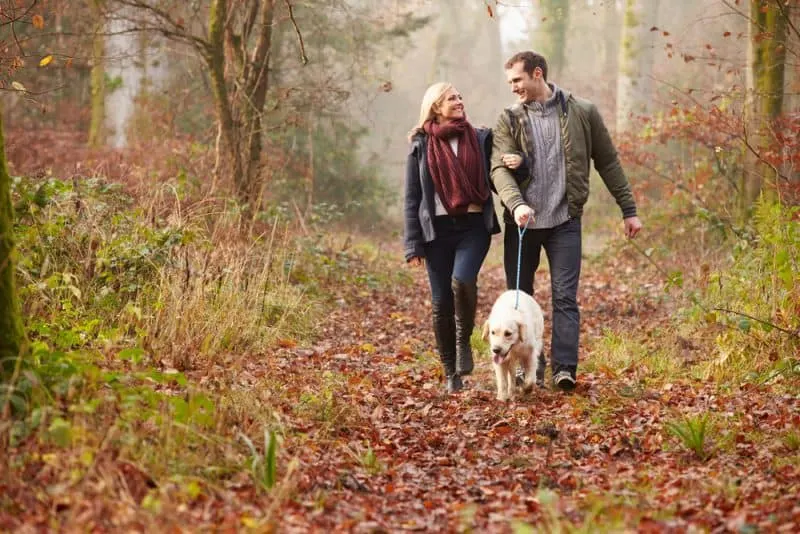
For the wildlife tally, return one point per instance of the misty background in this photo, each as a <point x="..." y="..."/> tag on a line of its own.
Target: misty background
<point x="334" y="129"/>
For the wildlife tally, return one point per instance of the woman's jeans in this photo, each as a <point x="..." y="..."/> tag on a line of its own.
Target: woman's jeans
<point x="461" y="245"/>
<point x="562" y="244"/>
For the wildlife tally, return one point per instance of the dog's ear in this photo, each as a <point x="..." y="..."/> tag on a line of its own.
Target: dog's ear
<point x="523" y="333"/>
<point x="485" y="331"/>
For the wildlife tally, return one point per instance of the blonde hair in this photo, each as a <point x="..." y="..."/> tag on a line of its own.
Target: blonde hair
<point x="432" y="99"/>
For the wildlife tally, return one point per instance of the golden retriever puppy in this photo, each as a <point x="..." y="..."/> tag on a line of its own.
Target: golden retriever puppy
<point x="515" y="339"/>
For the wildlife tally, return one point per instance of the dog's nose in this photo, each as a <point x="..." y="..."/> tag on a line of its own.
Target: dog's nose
<point x="497" y="350"/>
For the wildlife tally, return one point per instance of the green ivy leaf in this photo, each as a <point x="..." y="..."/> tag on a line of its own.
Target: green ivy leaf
<point x="60" y="432"/>
<point x="134" y="354"/>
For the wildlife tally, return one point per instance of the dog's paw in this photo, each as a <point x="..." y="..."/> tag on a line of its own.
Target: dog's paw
<point x="502" y="398"/>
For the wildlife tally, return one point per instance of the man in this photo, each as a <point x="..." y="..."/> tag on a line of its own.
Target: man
<point x="554" y="134"/>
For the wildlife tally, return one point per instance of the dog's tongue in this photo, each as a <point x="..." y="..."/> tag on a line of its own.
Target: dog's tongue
<point x="497" y="358"/>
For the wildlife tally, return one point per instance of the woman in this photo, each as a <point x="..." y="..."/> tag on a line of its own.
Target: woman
<point x="449" y="219"/>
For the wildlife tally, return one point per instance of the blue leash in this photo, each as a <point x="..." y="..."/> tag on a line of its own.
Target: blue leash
<point x="521" y="232"/>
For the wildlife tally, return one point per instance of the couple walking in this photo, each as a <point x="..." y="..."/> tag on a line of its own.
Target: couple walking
<point x="537" y="160"/>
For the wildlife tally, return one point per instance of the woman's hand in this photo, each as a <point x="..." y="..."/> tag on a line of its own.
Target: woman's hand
<point x="512" y="161"/>
<point x="416" y="261"/>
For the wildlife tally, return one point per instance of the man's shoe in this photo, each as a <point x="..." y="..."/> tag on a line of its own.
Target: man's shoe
<point x="541" y="364"/>
<point x="519" y="378"/>
<point x="564" y="378"/>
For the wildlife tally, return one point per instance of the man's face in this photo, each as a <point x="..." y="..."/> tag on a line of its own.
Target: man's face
<point x="527" y="87"/>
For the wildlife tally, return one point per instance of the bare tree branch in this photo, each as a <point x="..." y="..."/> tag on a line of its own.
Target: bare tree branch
<point x="12" y="19"/>
<point x="28" y="93"/>
<point x="745" y="139"/>
<point x="303" y="56"/>
<point x="787" y="18"/>
<point x="17" y="19"/>
<point x="169" y="27"/>
<point x="756" y="319"/>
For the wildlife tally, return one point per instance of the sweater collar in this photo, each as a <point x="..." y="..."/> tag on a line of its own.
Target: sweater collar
<point x="548" y="106"/>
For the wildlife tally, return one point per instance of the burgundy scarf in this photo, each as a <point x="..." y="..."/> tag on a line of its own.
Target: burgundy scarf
<point x="459" y="181"/>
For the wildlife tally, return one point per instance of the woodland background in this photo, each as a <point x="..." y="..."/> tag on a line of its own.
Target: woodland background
<point x="206" y="322"/>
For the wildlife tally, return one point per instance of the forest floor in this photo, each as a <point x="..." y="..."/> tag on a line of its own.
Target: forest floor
<point x="597" y="458"/>
<point x="371" y="443"/>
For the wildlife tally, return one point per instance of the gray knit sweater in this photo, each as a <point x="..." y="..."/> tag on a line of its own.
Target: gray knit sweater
<point x="547" y="191"/>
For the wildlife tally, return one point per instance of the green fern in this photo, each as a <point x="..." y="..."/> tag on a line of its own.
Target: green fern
<point x="791" y="440"/>
<point x="693" y="432"/>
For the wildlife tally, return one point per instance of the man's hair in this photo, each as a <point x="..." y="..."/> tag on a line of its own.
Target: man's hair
<point x="530" y="60"/>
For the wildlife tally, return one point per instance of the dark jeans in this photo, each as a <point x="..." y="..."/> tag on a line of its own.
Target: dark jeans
<point x="458" y="251"/>
<point x="562" y="245"/>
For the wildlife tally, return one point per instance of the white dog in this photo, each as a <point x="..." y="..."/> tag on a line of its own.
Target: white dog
<point x="515" y="338"/>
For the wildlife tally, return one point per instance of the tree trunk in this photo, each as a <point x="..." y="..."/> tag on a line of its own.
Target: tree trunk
<point x="551" y="38"/>
<point x="240" y="110"/>
<point x="255" y="96"/>
<point x="215" y="59"/>
<point x="634" y="82"/>
<point x="448" y="27"/>
<point x="610" y="54"/>
<point x="766" y="55"/>
<point x="310" y="169"/>
<point x="97" y="129"/>
<point x="791" y="87"/>
<point x="12" y="334"/>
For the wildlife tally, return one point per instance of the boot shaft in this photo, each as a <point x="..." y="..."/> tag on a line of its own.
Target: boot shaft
<point x="444" y="330"/>
<point x="465" y="299"/>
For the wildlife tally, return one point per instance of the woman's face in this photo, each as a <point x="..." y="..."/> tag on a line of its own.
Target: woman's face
<point x="451" y="107"/>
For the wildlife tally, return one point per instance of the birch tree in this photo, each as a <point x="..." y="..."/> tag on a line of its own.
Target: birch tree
<point x="550" y="39"/>
<point x="637" y="53"/>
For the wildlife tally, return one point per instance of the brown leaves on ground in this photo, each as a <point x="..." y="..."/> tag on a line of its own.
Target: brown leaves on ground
<point x="372" y="444"/>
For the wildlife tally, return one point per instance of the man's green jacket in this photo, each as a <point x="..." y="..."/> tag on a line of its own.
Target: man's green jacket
<point x="583" y="136"/>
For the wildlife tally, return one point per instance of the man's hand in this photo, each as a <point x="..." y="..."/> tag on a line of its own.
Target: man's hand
<point x="632" y="226"/>
<point x="416" y="261"/>
<point x="523" y="215"/>
<point x="512" y="161"/>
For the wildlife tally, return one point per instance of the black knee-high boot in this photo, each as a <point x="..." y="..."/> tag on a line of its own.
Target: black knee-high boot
<point x="465" y="296"/>
<point x="444" y="329"/>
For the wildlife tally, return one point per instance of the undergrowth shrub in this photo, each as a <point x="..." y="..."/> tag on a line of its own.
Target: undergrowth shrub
<point x="120" y="297"/>
<point x="224" y="300"/>
<point x="756" y="298"/>
<point x="732" y="282"/>
<point x="734" y="271"/>
<point x="98" y="273"/>
<point x="736" y="297"/>
<point x="85" y="258"/>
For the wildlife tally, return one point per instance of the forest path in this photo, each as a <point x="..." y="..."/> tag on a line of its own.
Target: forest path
<point x="386" y="450"/>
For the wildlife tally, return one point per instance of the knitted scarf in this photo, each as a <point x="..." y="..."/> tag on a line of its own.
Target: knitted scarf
<point x="459" y="181"/>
